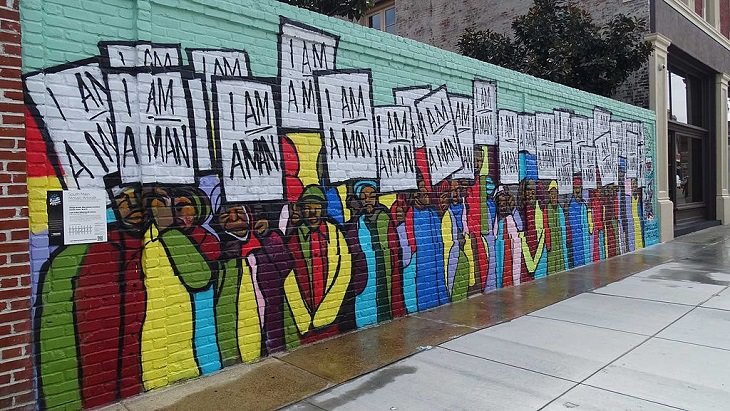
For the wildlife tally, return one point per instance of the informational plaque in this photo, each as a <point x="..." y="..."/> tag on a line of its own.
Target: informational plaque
<point x="84" y="216"/>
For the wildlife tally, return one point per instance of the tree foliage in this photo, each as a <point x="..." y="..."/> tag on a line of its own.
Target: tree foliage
<point x="352" y="9"/>
<point x="558" y="41"/>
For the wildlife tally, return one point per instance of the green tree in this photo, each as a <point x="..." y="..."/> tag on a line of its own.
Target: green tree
<point x="353" y="9"/>
<point x="558" y="41"/>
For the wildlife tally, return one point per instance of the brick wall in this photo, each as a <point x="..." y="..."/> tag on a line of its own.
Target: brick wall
<point x="442" y="22"/>
<point x="15" y="319"/>
<point x="332" y="178"/>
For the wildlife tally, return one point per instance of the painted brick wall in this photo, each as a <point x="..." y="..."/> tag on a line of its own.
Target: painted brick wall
<point x="16" y="370"/>
<point x="274" y="177"/>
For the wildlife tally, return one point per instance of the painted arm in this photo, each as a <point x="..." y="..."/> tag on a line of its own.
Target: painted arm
<point x="187" y="260"/>
<point x="340" y="270"/>
<point x="301" y="315"/>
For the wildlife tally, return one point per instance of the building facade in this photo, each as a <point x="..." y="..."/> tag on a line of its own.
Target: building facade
<point x="685" y="82"/>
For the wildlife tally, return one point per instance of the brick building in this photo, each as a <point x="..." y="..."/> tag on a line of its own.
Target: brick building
<point x="685" y="82"/>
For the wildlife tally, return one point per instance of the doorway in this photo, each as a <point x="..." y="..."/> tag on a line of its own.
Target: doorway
<point x="689" y="185"/>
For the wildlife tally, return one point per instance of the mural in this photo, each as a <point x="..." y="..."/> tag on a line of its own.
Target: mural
<point x="248" y="215"/>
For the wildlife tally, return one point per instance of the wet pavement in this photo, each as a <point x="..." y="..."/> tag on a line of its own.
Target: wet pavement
<point x="646" y="330"/>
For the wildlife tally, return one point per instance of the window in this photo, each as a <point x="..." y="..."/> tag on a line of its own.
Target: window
<point x="685" y="98"/>
<point x="383" y="19"/>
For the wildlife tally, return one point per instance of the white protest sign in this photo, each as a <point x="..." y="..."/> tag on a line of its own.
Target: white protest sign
<point x="564" y="162"/>
<point x="509" y="165"/>
<point x="347" y="122"/>
<point x="579" y="137"/>
<point x="443" y="150"/>
<point x="167" y="151"/>
<point x="73" y="104"/>
<point x="407" y="96"/>
<point x="545" y="136"/>
<point x="302" y="51"/>
<point x="588" y="166"/>
<point x="396" y="150"/>
<point x="251" y="164"/>
<point x="485" y="112"/>
<point x="140" y="54"/>
<point x="463" y="109"/>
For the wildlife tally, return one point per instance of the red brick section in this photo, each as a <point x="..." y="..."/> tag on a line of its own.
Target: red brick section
<point x="725" y="18"/>
<point x="16" y="372"/>
<point x="698" y="7"/>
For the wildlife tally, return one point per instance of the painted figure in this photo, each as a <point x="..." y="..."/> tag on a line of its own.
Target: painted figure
<point x="272" y="263"/>
<point x="507" y="243"/>
<point x="458" y="254"/>
<point x="597" y="228"/>
<point x="430" y="282"/>
<point x="636" y="213"/>
<point x="532" y="237"/>
<point x="373" y="302"/>
<point x="178" y="261"/>
<point x="237" y="306"/>
<point x="402" y="218"/>
<point x="316" y="287"/>
<point x="106" y="301"/>
<point x="578" y="229"/>
<point x="557" y="233"/>
<point x="489" y="220"/>
<point x="611" y="221"/>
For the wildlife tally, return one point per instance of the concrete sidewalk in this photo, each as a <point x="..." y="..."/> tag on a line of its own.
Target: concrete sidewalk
<point x="647" y="330"/>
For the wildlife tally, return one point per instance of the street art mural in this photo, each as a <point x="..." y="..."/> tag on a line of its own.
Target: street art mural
<point x="249" y="215"/>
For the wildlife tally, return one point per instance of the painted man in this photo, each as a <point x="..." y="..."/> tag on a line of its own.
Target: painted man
<point x="101" y="313"/>
<point x="557" y="248"/>
<point x="429" y="252"/>
<point x="533" y="236"/>
<point x="611" y="221"/>
<point x="596" y="226"/>
<point x="179" y="261"/>
<point x="272" y="264"/>
<point x="459" y="257"/>
<point x="489" y="220"/>
<point x="507" y="244"/>
<point x="637" y="215"/>
<point x="373" y="302"/>
<point x="402" y="219"/>
<point x="237" y="308"/>
<point x="578" y="229"/>
<point x="316" y="287"/>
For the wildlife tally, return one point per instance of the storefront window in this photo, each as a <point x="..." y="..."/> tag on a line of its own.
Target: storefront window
<point x="685" y="98"/>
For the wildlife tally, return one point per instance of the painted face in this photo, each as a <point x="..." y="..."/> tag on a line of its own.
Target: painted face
<point x="529" y="194"/>
<point x="369" y="199"/>
<point x="421" y="197"/>
<point x="478" y="160"/>
<point x="159" y="203"/>
<point x="129" y="208"/>
<point x="457" y="192"/>
<point x="312" y="214"/>
<point x="184" y="211"/>
<point x="577" y="191"/>
<point x="553" y="196"/>
<point x="503" y="204"/>
<point x="234" y="220"/>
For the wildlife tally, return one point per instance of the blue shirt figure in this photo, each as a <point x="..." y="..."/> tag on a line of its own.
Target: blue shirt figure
<point x="430" y="281"/>
<point x="579" y="233"/>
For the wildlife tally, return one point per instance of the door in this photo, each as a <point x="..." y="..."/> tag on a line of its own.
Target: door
<point x="689" y="182"/>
